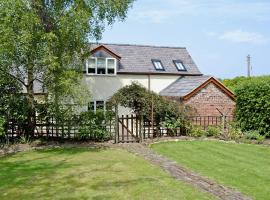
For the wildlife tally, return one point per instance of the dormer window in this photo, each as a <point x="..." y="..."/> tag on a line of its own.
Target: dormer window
<point x="179" y="65"/>
<point x="100" y="66"/>
<point x="158" y="65"/>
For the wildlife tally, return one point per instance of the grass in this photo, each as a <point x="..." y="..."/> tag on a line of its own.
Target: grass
<point x="87" y="174"/>
<point x="244" y="167"/>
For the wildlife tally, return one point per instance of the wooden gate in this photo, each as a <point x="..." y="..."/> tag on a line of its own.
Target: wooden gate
<point x="129" y="129"/>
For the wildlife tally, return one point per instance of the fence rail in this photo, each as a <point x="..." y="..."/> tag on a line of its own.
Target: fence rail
<point x="50" y="128"/>
<point x="129" y="128"/>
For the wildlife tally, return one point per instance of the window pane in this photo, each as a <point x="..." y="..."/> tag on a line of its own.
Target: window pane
<point x="180" y="66"/>
<point x="158" y="65"/>
<point x="92" y="65"/>
<point x="100" y="105"/>
<point x="101" y="66"/>
<point x="91" y="106"/>
<point x="111" y="63"/>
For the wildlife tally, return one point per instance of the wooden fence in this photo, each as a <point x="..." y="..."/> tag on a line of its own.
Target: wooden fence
<point x="50" y="128"/>
<point x="131" y="128"/>
<point x="128" y="128"/>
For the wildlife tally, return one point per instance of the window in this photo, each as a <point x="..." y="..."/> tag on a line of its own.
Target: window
<point x="111" y="66"/>
<point x="91" y="66"/>
<point x="179" y="65"/>
<point x="97" y="105"/>
<point x="101" y="66"/>
<point x="157" y="64"/>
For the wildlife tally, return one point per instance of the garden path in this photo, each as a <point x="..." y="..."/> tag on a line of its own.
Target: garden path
<point x="180" y="173"/>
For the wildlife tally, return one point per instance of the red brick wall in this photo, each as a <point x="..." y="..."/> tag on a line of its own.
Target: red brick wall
<point x="208" y="99"/>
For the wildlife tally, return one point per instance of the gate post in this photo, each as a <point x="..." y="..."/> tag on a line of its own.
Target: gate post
<point x="116" y="126"/>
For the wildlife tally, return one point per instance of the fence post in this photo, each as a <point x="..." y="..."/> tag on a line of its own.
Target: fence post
<point x="141" y="128"/>
<point x="116" y="125"/>
<point x="223" y="124"/>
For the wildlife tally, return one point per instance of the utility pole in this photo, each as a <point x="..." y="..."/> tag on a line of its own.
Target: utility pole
<point x="248" y="65"/>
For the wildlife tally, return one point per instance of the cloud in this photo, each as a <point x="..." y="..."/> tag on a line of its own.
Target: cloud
<point x="158" y="11"/>
<point x="240" y="36"/>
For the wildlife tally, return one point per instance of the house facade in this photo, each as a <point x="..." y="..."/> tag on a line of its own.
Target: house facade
<point x="168" y="71"/>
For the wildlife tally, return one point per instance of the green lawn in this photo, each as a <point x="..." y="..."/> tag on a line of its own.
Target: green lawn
<point x="87" y="174"/>
<point x="241" y="166"/>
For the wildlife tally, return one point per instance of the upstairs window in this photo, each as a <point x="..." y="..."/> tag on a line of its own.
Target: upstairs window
<point x="91" y="66"/>
<point x="179" y="65"/>
<point x="111" y="65"/>
<point x="158" y="65"/>
<point x="101" y="66"/>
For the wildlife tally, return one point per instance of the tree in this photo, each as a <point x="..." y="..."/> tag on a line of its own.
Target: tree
<point x="47" y="41"/>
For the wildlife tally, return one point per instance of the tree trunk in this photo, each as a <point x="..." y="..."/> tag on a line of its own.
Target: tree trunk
<point x="31" y="117"/>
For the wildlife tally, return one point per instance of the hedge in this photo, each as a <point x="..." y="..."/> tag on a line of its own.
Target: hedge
<point x="253" y="105"/>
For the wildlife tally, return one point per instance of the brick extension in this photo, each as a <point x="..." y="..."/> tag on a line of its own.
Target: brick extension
<point x="209" y="99"/>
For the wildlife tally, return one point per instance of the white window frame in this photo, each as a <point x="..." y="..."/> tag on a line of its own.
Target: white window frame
<point x="106" y="67"/>
<point x="95" y="105"/>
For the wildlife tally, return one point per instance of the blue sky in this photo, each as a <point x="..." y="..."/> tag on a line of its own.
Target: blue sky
<point x="219" y="34"/>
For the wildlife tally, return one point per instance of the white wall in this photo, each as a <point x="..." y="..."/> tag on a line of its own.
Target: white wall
<point x="103" y="87"/>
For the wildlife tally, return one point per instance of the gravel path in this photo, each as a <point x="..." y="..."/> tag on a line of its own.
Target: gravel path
<point x="180" y="173"/>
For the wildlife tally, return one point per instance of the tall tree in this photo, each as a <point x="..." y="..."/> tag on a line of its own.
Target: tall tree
<point x="47" y="41"/>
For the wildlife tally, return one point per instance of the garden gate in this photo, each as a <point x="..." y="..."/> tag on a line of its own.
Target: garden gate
<point x="128" y="129"/>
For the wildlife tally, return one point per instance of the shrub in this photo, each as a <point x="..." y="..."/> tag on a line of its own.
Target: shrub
<point x="234" y="131"/>
<point x="2" y="128"/>
<point x="197" y="131"/>
<point x="173" y="123"/>
<point x="213" y="131"/>
<point x="254" y="135"/>
<point x="3" y="138"/>
<point x="92" y="126"/>
<point x="140" y="100"/>
<point x="253" y="105"/>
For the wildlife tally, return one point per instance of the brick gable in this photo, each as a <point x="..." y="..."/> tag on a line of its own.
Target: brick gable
<point x="210" y="98"/>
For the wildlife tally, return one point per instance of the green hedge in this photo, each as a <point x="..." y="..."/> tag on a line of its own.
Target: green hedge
<point x="253" y="105"/>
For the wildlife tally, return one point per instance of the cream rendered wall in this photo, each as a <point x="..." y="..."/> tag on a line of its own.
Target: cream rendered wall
<point x="102" y="87"/>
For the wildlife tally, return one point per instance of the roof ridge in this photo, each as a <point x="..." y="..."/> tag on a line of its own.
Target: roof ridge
<point x="139" y="45"/>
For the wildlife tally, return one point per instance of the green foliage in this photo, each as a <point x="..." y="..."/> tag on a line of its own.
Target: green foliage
<point x="253" y="106"/>
<point x="234" y="131"/>
<point x="140" y="100"/>
<point x="237" y="82"/>
<point x="24" y="140"/>
<point x="213" y="131"/>
<point x="92" y="126"/>
<point x="172" y="124"/>
<point x="2" y="128"/>
<point x="48" y="42"/>
<point x="254" y="135"/>
<point x="197" y="131"/>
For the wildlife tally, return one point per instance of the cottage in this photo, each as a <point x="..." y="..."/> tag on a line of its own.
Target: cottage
<point x="168" y="71"/>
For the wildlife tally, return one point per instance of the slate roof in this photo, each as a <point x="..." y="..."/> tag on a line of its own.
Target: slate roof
<point x="184" y="85"/>
<point x="138" y="58"/>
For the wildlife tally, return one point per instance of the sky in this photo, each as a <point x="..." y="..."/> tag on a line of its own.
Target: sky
<point x="219" y="34"/>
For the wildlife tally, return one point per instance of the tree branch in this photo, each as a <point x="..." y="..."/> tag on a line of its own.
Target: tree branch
<point x="14" y="77"/>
